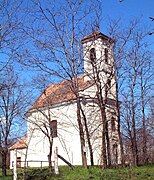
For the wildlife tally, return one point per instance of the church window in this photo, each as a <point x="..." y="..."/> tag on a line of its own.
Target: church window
<point x="18" y="162"/>
<point x="109" y="83"/>
<point x="53" y="128"/>
<point x="92" y="54"/>
<point x="113" y="124"/>
<point x="106" y="55"/>
<point x="84" y="101"/>
<point x="115" y="154"/>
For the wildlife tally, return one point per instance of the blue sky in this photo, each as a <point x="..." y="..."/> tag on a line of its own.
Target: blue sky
<point x="128" y="10"/>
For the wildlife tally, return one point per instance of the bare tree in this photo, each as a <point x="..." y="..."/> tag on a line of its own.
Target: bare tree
<point x="10" y="43"/>
<point x="145" y="75"/>
<point x="150" y="121"/>
<point x="13" y="104"/>
<point x="10" y="40"/>
<point x="58" y="45"/>
<point x="131" y="53"/>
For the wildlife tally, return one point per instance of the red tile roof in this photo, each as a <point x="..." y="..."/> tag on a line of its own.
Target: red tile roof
<point x="21" y="144"/>
<point x="58" y="92"/>
<point x="96" y="35"/>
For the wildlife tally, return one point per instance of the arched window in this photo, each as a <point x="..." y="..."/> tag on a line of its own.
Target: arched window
<point x="92" y="54"/>
<point x="106" y="55"/>
<point x="115" y="154"/>
<point x="53" y="127"/>
<point x="109" y="83"/>
<point x="113" y="124"/>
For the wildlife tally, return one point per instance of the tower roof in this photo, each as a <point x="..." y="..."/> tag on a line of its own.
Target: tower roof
<point x="95" y="35"/>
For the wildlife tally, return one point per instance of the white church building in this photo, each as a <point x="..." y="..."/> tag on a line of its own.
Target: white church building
<point x="58" y="103"/>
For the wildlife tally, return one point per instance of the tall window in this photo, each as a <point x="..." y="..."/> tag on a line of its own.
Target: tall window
<point x="109" y="83"/>
<point x="53" y="126"/>
<point x="18" y="162"/>
<point x="113" y="124"/>
<point x="115" y="154"/>
<point x="92" y="54"/>
<point x="106" y="55"/>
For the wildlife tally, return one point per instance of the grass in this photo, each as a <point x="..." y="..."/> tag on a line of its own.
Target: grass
<point x="92" y="173"/>
<point x="9" y="175"/>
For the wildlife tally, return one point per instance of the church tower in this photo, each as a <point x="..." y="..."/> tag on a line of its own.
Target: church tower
<point x="99" y="68"/>
<point x="98" y="60"/>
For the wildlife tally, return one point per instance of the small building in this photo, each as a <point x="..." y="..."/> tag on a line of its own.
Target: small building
<point x="21" y="148"/>
<point x="57" y="107"/>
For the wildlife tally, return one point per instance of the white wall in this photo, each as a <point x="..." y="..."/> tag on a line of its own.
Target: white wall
<point x="20" y="153"/>
<point x="68" y="141"/>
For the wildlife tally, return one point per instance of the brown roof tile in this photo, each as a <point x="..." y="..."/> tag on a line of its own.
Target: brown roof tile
<point x="96" y="35"/>
<point x="21" y="144"/>
<point x="58" y="92"/>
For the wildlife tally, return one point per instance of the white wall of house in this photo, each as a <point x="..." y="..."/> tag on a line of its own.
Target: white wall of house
<point x="68" y="141"/>
<point x="20" y="153"/>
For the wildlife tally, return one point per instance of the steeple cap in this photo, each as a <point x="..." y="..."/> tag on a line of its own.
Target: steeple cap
<point x="95" y="35"/>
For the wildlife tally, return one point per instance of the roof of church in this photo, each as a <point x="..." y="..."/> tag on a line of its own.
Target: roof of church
<point x="96" y="35"/>
<point x="58" y="93"/>
<point x="21" y="144"/>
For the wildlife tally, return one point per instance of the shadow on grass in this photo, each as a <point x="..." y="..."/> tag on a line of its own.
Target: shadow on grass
<point x="9" y="177"/>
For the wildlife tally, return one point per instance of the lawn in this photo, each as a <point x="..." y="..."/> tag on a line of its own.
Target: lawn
<point x="92" y="173"/>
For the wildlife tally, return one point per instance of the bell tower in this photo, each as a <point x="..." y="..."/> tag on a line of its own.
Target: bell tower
<point x="99" y="61"/>
<point x="99" y="68"/>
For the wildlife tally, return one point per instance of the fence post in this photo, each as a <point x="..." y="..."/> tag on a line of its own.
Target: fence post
<point x="56" y="160"/>
<point x="15" y="165"/>
<point x="41" y="165"/>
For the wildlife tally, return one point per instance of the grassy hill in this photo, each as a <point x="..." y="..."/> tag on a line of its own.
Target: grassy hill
<point x="92" y="173"/>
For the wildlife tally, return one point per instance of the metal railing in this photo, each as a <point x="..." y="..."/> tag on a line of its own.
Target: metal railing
<point x="31" y="163"/>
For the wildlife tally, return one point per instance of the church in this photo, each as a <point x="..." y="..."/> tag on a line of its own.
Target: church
<point x="56" y="109"/>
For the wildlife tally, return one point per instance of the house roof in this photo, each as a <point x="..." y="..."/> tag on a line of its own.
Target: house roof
<point x="21" y="144"/>
<point x="59" y="92"/>
<point x="96" y="35"/>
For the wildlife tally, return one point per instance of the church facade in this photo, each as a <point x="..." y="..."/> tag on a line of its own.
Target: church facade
<point x="57" y="104"/>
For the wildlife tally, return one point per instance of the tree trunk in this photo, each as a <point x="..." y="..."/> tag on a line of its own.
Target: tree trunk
<point x="82" y="141"/>
<point x="108" y="149"/>
<point x="102" y="104"/>
<point x="118" y="118"/>
<point x="4" y="156"/>
<point x="144" y="143"/>
<point x="25" y="165"/>
<point x="134" y="143"/>
<point x="108" y="145"/>
<point x="88" y="138"/>
<point x="49" y="157"/>
<point x="145" y="155"/>
<point x="103" y="153"/>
